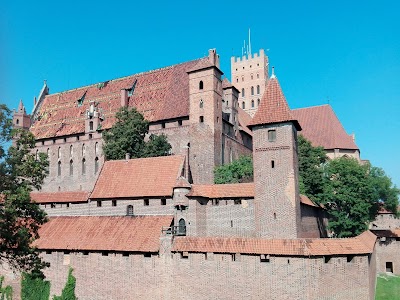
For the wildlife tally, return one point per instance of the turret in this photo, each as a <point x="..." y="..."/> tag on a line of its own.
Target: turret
<point x="277" y="209"/>
<point x="20" y="118"/>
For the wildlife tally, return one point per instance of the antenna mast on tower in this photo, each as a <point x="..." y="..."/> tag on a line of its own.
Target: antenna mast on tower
<point x="249" y="52"/>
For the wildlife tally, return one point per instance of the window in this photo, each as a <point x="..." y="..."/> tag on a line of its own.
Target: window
<point x="53" y="205"/>
<point x="179" y="122"/>
<point x="242" y="78"/>
<point x="163" y="201"/>
<point x="162" y="125"/>
<point x="201" y="85"/>
<point x="258" y="89"/>
<point x="243" y="105"/>
<point x="71" y="167"/>
<point x="59" y="152"/>
<point x="182" y="227"/>
<point x="252" y="90"/>
<point x="96" y="148"/>
<point x="389" y="266"/>
<point x="83" y="166"/>
<point x="251" y="76"/>
<point x="252" y="103"/>
<point x="258" y="102"/>
<point x="258" y="76"/>
<point x="114" y="203"/>
<point x="272" y="164"/>
<point x="98" y="203"/>
<point x="83" y="150"/>
<point x="237" y="79"/>
<point x="96" y="165"/>
<point x="271" y="135"/>
<point x="129" y="210"/>
<point x="201" y="103"/>
<point x="146" y="202"/>
<point x="59" y="168"/>
<point x="237" y="201"/>
<point x="17" y="121"/>
<point x="91" y="125"/>
<point x="242" y="92"/>
<point x="201" y="119"/>
<point x="71" y="151"/>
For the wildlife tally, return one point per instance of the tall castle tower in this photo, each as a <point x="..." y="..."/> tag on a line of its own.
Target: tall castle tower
<point x="277" y="207"/>
<point x="20" y="118"/>
<point x="205" y="116"/>
<point x="249" y="74"/>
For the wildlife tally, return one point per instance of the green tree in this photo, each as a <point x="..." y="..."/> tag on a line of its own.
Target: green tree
<point x="311" y="160"/>
<point x="128" y="136"/>
<point x="68" y="292"/>
<point x="21" y="171"/>
<point x="5" y="292"/>
<point x="349" y="196"/>
<point x="34" y="288"/>
<point x="239" y="170"/>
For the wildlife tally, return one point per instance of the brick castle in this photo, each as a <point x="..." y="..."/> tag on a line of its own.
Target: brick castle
<point x="158" y="228"/>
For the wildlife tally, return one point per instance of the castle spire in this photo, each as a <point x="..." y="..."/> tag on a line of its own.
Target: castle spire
<point x="21" y="108"/>
<point x="273" y="106"/>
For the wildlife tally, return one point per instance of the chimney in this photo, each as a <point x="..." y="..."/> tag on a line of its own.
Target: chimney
<point x="213" y="57"/>
<point x="127" y="156"/>
<point x="124" y="98"/>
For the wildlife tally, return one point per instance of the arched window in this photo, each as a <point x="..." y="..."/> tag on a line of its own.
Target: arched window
<point x="91" y="125"/>
<point x="258" y="89"/>
<point x="252" y="103"/>
<point x="242" y="92"/>
<point x="129" y="210"/>
<point x="252" y="90"/>
<point x="182" y="227"/>
<point x="243" y="105"/>
<point x="48" y="152"/>
<point x="237" y="79"/>
<point x="258" y="102"/>
<point x="83" y="150"/>
<point x="201" y="85"/>
<point x="242" y="78"/>
<point x="251" y="76"/>
<point x="201" y="105"/>
<point x="71" y="151"/>
<point x="83" y="166"/>
<point x="17" y="121"/>
<point x="258" y="76"/>
<point x="71" y="167"/>
<point x="59" y="152"/>
<point x="59" y="168"/>
<point x="96" y="165"/>
<point x="96" y="148"/>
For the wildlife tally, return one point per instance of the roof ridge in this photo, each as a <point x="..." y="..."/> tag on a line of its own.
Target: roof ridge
<point x="312" y="106"/>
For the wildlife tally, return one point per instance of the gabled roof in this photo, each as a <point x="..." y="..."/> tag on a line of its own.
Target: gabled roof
<point x="59" y="197"/>
<point x="273" y="106"/>
<point x="136" y="234"/>
<point x="322" y="127"/>
<point x="244" y="121"/>
<point x="160" y="94"/>
<point x="361" y="244"/>
<point x="142" y="177"/>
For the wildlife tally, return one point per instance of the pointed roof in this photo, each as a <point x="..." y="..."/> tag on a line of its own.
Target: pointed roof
<point x="21" y="107"/>
<point x="273" y="107"/>
<point x="182" y="182"/>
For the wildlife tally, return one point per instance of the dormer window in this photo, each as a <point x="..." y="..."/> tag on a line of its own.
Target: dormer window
<point x="201" y="85"/>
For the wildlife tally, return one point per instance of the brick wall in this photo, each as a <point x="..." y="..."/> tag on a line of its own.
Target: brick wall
<point x="388" y="250"/>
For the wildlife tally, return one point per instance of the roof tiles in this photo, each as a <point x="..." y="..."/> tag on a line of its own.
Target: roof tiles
<point x="59" y="197"/>
<point x="322" y="127"/>
<point x="142" y="177"/>
<point x="136" y="234"/>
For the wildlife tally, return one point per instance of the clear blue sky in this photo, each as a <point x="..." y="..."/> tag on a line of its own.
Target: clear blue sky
<point x="344" y="51"/>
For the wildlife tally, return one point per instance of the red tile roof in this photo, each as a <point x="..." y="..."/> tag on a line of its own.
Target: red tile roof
<point x="59" y="197"/>
<point x="361" y="244"/>
<point x="322" y="128"/>
<point x="305" y="200"/>
<point x="273" y="107"/>
<point x="387" y="232"/>
<point x="159" y="94"/>
<point x="139" y="234"/>
<point x="235" y="190"/>
<point x="244" y="121"/>
<point x="142" y="177"/>
<point x="226" y="83"/>
<point x="182" y="182"/>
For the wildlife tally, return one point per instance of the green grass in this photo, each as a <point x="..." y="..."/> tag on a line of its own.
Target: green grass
<point x="387" y="287"/>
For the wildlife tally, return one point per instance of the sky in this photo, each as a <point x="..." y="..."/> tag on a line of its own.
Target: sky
<point x="345" y="53"/>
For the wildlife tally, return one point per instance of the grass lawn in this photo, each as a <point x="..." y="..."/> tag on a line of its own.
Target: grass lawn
<point x="387" y="287"/>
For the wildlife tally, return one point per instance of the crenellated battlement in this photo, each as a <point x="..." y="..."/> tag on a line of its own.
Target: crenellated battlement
<point x="248" y="57"/>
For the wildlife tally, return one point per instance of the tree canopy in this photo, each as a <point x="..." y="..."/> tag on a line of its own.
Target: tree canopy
<point x="21" y="171"/>
<point x="239" y="170"/>
<point x="128" y="134"/>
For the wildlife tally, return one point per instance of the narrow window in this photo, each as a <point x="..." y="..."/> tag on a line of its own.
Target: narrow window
<point x="182" y="227"/>
<point x="17" y="121"/>
<point x="71" y="167"/>
<point x="252" y="90"/>
<point x="146" y="202"/>
<point x="83" y="166"/>
<point x="98" y="203"/>
<point x="91" y="125"/>
<point x="201" y="119"/>
<point x="179" y="122"/>
<point x="271" y="135"/>
<point x="59" y="168"/>
<point x="258" y="76"/>
<point x="96" y="165"/>
<point x="252" y="103"/>
<point x="258" y="89"/>
<point x="242" y="92"/>
<point x="83" y="150"/>
<point x="243" y="105"/>
<point x="272" y="164"/>
<point x="242" y="78"/>
<point x="71" y="151"/>
<point x="96" y="148"/>
<point x="59" y="152"/>
<point x="162" y="125"/>
<point x="163" y="201"/>
<point x="258" y="102"/>
<point x="201" y="85"/>
<point x="129" y="210"/>
<point x="231" y="223"/>
<point x="114" y="202"/>
<point x="274" y="216"/>
<point x="389" y="266"/>
<point x="201" y="105"/>
<point x="237" y="79"/>
<point x="251" y="76"/>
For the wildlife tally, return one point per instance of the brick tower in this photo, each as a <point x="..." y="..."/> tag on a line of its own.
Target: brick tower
<point x="249" y="75"/>
<point x="277" y="207"/>
<point x="205" y="116"/>
<point x="20" y="118"/>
